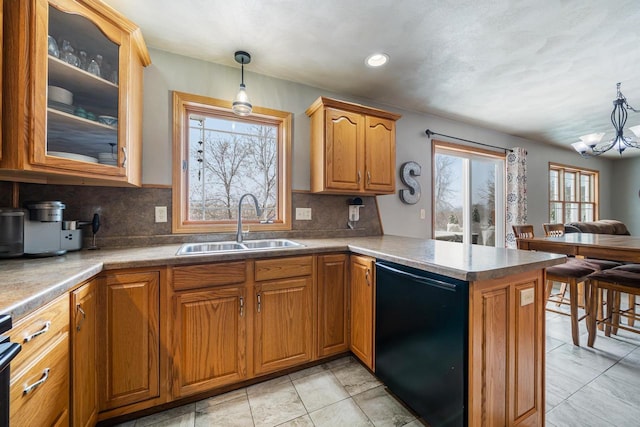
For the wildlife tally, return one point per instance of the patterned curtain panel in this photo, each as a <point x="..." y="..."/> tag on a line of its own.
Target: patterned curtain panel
<point x="516" y="193"/>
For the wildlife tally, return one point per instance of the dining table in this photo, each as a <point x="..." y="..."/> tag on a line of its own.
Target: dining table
<point x="602" y="246"/>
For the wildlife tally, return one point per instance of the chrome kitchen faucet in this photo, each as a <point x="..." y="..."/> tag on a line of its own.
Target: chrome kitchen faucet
<point x="258" y="212"/>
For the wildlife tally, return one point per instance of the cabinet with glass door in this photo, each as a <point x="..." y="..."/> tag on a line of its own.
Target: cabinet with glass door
<point x="81" y="97"/>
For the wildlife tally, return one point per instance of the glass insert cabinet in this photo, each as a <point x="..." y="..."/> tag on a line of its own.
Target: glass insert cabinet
<point x="72" y="99"/>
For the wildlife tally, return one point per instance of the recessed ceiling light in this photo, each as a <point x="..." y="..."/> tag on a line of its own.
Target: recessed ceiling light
<point x="377" y="59"/>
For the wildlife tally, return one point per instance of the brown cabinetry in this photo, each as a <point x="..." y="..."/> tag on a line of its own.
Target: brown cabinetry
<point x="506" y="353"/>
<point x="129" y="338"/>
<point x="283" y="313"/>
<point x="40" y="374"/>
<point x="333" y="332"/>
<point x="84" y="389"/>
<point x="208" y="317"/>
<point x="353" y="148"/>
<point x="361" y="317"/>
<point x="71" y="113"/>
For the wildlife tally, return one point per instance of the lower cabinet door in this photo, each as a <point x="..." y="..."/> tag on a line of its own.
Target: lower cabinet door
<point x="83" y="353"/>
<point x="209" y="339"/>
<point x="129" y="338"/>
<point x="333" y="336"/>
<point x="40" y="394"/>
<point x="283" y="322"/>
<point x="361" y="314"/>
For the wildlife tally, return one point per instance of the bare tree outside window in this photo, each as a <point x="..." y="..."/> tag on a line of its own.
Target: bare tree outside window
<point x="227" y="159"/>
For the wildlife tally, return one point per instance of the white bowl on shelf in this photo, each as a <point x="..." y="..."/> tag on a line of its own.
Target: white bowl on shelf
<point x="61" y="95"/>
<point x="73" y="156"/>
<point x="108" y="120"/>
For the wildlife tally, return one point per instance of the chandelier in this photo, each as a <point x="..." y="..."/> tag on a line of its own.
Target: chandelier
<point x="590" y="145"/>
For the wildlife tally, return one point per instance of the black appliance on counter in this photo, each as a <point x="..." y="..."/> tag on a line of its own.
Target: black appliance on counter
<point x="421" y="341"/>
<point x="8" y="352"/>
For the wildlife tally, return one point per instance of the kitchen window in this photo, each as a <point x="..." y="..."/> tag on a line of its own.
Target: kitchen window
<point x="573" y="194"/>
<point x="468" y="194"/>
<point x="219" y="156"/>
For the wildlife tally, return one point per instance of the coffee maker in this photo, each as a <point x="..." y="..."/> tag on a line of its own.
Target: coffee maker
<point x="46" y="234"/>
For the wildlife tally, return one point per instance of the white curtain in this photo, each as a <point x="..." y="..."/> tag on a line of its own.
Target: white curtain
<point x="516" y="192"/>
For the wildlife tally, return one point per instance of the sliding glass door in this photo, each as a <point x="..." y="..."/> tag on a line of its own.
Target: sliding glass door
<point x="468" y="195"/>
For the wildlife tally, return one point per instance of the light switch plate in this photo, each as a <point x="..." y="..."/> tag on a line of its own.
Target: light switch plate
<point x="161" y="214"/>
<point x="303" y="214"/>
<point x="527" y="296"/>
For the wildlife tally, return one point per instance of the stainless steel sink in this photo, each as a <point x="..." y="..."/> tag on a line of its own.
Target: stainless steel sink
<point x="223" y="247"/>
<point x="204" y="248"/>
<point x="270" y="244"/>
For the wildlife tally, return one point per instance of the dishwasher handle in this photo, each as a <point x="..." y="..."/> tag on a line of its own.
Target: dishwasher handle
<point x="420" y="279"/>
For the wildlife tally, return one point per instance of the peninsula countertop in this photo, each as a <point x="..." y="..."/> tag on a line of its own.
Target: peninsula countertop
<point x="27" y="284"/>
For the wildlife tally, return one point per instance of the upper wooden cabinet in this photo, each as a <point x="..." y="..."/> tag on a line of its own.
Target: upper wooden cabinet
<point x="72" y="93"/>
<point x="353" y="148"/>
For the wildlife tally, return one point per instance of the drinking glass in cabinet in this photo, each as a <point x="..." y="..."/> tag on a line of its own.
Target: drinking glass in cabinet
<point x="68" y="54"/>
<point x="53" y="47"/>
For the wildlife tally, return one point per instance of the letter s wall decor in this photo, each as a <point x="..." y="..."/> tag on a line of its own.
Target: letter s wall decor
<point x="408" y="171"/>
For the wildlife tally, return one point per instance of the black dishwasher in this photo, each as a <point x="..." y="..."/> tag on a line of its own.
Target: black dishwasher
<point x="8" y="351"/>
<point x="421" y="341"/>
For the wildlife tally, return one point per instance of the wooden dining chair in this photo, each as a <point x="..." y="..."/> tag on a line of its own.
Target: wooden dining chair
<point x="553" y="229"/>
<point x="622" y="279"/>
<point x="571" y="273"/>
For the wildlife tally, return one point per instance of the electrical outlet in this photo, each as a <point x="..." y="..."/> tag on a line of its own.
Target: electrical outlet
<point x="527" y="296"/>
<point x="303" y="214"/>
<point x="161" y="214"/>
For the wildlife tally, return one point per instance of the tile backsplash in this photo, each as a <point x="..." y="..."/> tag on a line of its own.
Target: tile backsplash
<point x="127" y="215"/>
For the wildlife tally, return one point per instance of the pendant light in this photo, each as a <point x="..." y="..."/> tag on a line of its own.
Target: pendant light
<point x="241" y="104"/>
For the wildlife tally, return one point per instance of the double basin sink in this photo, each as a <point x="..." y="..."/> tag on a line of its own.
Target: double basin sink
<point x="224" y="247"/>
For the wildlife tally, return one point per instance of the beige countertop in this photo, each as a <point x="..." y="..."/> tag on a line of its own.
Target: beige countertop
<point x="26" y="284"/>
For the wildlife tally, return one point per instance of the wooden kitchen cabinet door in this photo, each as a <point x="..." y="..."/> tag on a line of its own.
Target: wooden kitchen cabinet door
<point x="84" y="391"/>
<point x="283" y="323"/>
<point x="333" y="332"/>
<point x="362" y="286"/>
<point x="129" y="339"/>
<point x="380" y="155"/>
<point x="344" y="139"/>
<point x="209" y="339"/>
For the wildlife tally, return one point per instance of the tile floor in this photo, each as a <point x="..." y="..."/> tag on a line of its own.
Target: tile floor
<point x="592" y="387"/>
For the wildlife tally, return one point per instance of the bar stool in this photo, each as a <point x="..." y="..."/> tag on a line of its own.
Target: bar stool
<point x="625" y="278"/>
<point x="571" y="273"/>
<point x="558" y="230"/>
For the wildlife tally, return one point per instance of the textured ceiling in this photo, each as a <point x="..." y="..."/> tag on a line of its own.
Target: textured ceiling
<point x="541" y="69"/>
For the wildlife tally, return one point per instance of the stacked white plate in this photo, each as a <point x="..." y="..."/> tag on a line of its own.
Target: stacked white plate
<point x="108" y="159"/>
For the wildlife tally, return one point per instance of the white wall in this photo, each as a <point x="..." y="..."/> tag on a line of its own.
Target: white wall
<point x="170" y="72"/>
<point x="625" y="191"/>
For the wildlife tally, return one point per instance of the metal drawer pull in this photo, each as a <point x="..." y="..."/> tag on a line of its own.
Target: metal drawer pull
<point x="358" y="177"/>
<point x="259" y="303"/>
<point x="44" y="329"/>
<point x="241" y="307"/>
<point x="84" y="316"/>
<point x="366" y="275"/>
<point x="45" y="376"/>
<point x="368" y="177"/>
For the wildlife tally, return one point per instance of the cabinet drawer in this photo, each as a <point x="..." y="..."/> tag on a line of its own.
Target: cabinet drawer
<point x="40" y="328"/>
<point x="199" y="276"/>
<point x="47" y="402"/>
<point x="282" y="268"/>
